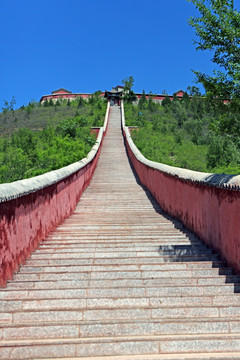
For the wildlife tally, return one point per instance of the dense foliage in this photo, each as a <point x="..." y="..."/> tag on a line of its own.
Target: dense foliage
<point x="194" y="133"/>
<point x="218" y="30"/>
<point x="47" y="137"/>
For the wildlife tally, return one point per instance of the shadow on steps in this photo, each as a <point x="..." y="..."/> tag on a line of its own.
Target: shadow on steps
<point x="196" y="251"/>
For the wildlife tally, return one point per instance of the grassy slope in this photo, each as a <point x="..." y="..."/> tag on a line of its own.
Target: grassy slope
<point x="181" y="136"/>
<point x="37" y="117"/>
<point x="37" y="139"/>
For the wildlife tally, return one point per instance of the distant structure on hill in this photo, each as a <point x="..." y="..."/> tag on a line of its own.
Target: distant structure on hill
<point x="65" y="94"/>
<point x="160" y="97"/>
<point x="113" y="95"/>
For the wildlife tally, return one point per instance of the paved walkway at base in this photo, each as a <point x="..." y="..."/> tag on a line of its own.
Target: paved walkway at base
<point x="120" y="280"/>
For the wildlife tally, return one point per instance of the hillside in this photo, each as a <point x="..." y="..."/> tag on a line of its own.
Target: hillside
<point x="39" y="138"/>
<point x="199" y="133"/>
<point x="36" y="117"/>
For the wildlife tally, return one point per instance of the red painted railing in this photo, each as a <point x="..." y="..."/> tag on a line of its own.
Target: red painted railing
<point x="31" y="208"/>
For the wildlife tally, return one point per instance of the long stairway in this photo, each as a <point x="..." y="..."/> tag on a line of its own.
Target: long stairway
<point x="120" y="280"/>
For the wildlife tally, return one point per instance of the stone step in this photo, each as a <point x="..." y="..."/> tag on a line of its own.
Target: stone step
<point x="119" y="239"/>
<point x="164" y="290"/>
<point x="98" y="221"/>
<point x="78" y="276"/>
<point x="102" y="272"/>
<point x="96" y="314"/>
<point x="150" y="264"/>
<point x="120" y="247"/>
<point x="130" y="252"/>
<point x="110" y="253"/>
<point x="152" y="303"/>
<point x="76" y="329"/>
<point x="105" y="238"/>
<point x="123" y="282"/>
<point x="112" y="243"/>
<point x="93" y="265"/>
<point x="131" y="345"/>
<point x="128" y="302"/>
<point x="128" y="257"/>
<point x="112" y="228"/>
<point x="123" y="236"/>
<point x="202" y="277"/>
<point x="121" y="232"/>
<point x="162" y="232"/>
<point x="199" y="356"/>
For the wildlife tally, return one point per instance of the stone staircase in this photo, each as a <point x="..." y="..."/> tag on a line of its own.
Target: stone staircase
<point x="119" y="279"/>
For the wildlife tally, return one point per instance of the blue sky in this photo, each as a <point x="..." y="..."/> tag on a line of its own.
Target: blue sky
<point x="92" y="45"/>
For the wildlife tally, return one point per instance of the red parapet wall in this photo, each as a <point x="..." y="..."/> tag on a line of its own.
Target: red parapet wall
<point x="26" y="220"/>
<point x="62" y="95"/>
<point x="210" y="211"/>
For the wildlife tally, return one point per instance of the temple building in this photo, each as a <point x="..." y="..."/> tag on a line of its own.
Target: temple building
<point x="65" y="94"/>
<point x="114" y="95"/>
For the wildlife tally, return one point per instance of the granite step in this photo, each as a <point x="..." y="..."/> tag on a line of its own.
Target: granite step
<point x="123" y="327"/>
<point x="224" y="304"/>
<point x="130" y="252"/>
<point x="199" y="356"/>
<point x="131" y="345"/>
<point x="105" y="237"/>
<point x="134" y="271"/>
<point x="100" y="314"/>
<point x="163" y="267"/>
<point x="120" y="247"/>
<point x="86" y="275"/>
<point x="129" y="257"/>
<point x="146" y="265"/>
<point x="164" y="290"/>
<point x="109" y="239"/>
<point x="81" y="313"/>
<point x="123" y="282"/>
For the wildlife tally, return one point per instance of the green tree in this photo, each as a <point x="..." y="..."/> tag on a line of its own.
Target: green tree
<point x="129" y="96"/>
<point x="221" y="152"/>
<point x="128" y="83"/>
<point x="142" y="100"/>
<point x="194" y="91"/>
<point x="9" y="106"/>
<point x="94" y="97"/>
<point x="151" y="104"/>
<point x="186" y="98"/>
<point x="81" y="102"/>
<point x="218" y="31"/>
<point x="166" y="102"/>
<point x="175" y="98"/>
